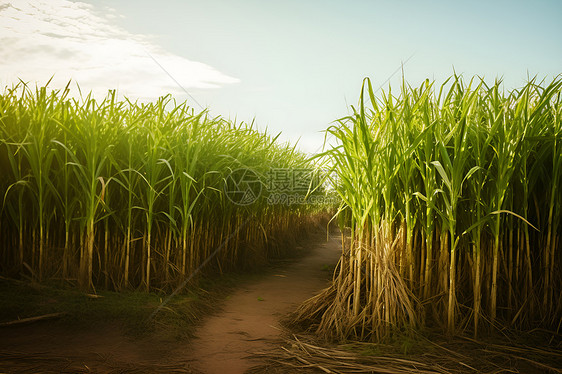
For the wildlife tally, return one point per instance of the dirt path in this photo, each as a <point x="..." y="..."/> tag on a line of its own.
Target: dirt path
<point x="249" y="320"/>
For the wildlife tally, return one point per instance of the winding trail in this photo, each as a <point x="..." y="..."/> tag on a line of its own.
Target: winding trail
<point x="249" y="320"/>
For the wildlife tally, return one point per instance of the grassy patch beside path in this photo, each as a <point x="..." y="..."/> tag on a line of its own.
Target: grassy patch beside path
<point x="129" y="309"/>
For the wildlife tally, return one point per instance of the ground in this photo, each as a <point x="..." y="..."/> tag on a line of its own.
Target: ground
<point x="246" y="321"/>
<point x="235" y="329"/>
<point x="249" y="321"/>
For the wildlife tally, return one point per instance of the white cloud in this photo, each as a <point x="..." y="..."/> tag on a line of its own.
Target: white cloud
<point x="71" y="41"/>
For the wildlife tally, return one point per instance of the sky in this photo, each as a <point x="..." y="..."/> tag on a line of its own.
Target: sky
<point x="292" y="66"/>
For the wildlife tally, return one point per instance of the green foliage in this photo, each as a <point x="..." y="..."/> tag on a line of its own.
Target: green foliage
<point x="453" y="201"/>
<point x="119" y="194"/>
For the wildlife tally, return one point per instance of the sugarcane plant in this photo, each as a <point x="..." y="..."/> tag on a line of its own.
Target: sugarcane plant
<point x="451" y="209"/>
<point x="119" y="194"/>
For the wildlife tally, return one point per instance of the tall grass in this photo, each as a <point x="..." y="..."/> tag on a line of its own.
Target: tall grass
<point x="120" y="194"/>
<point x="451" y="205"/>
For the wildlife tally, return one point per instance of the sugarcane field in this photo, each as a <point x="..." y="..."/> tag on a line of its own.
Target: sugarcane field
<point x="234" y="187"/>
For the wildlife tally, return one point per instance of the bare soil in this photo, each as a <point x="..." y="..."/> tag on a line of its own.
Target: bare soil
<point x="247" y="322"/>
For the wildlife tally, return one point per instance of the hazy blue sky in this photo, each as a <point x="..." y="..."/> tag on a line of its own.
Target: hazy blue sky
<point x="293" y="65"/>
